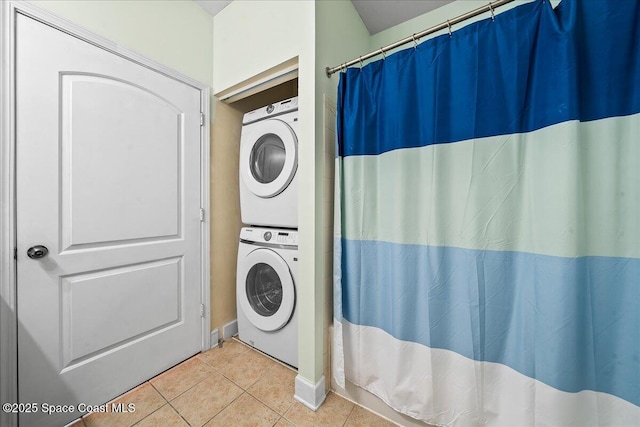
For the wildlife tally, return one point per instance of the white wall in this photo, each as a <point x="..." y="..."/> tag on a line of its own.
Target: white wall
<point x="175" y="33"/>
<point x="251" y="37"/>
<point x="340" y="36"/>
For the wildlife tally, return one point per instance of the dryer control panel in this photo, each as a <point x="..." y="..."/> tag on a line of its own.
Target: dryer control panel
<point x="282" y="107"/>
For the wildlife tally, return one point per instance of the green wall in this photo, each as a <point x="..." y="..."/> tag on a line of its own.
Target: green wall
<point x="436" y="17"/>
<point x="175" y="33"/>
<point x="340" y="35"/>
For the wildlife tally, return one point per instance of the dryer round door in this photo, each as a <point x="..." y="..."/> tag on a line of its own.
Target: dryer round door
<point x="267" y="293"/>
<point x="268" y="157"/>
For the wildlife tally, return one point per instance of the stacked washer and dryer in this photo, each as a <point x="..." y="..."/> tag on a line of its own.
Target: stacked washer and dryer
<point x="268" y="248"/>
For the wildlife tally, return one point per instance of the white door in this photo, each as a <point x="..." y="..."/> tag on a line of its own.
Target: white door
<point x="108" y="180"/>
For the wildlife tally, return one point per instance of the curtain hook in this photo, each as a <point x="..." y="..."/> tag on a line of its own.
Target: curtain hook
<point x="449" y="26"/>
<point x="493" y="18"/>
<point x="344" y="67"/>
<point x="383" y="54"/>
<point x="360" y="57"/>
<point x="415" y="44"/>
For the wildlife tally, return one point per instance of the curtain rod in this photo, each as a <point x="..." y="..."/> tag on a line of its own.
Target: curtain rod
<point x="417" y="36"/>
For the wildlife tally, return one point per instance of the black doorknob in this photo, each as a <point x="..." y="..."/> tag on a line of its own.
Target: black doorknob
<point x="37" y="251"/>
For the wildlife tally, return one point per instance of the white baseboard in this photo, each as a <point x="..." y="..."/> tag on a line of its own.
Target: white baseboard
<point x="214" y="338"/>
<point x="230" y="329"/>
<point x="309" y="394"/>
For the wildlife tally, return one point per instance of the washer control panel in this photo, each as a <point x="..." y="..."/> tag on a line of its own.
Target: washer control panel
<point x="277" y="236"/>
<point x="287" y="238"/>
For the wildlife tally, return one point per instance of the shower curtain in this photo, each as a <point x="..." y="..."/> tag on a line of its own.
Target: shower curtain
<point x="487" y="225"/>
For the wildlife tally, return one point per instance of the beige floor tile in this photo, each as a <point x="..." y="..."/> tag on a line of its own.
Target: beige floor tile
<point x="165" y="417"/>
<point x="145" y="400"/>
<point x="283" y="423"/>
<point x="180" y="378"/>
<point x="333" y="412"/>
<point x="202" y="402"/>
<point x="360" y="417"/>
<point x="77" y="423"/>
<point x="246" y="368"/>
<point x="276" y="388"/>
<point x="220" y="355"/>
<point x="245" y="411"/>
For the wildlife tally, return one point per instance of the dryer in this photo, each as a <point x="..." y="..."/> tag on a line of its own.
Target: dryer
<point x="268" y="165"/>
<point x="266" y="291"/>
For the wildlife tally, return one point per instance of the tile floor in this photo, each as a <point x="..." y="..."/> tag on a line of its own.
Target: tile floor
<point x="234" y="385"/>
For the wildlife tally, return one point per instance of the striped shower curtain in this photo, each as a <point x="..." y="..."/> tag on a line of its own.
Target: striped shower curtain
<point x="487" y="246"/>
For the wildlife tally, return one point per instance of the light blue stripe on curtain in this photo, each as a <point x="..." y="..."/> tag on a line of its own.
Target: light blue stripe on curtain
<point x="572" y="323"/>
<point x="539" y="192"/>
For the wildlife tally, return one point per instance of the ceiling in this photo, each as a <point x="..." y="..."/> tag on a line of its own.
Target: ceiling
<point x="377" y="15"/>
<point x="212" y="6"/>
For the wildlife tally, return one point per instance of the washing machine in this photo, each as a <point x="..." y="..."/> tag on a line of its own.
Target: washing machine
<point x="266" y="291"/>
<point x="268" y="165"/>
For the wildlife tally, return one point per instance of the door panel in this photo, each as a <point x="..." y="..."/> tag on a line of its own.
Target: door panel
<point x="95" y="146"/>
<point x="88" y="301"/>
<point x="108" y="179"/>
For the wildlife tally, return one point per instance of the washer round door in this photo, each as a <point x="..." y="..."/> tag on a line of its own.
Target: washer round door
<point x="267" y="293"/>
<point x="268" y="157"/>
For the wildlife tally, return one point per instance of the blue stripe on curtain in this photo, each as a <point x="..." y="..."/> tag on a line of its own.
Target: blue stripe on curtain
<point x="572" y="323"/>
<point x="533" y="67"/>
